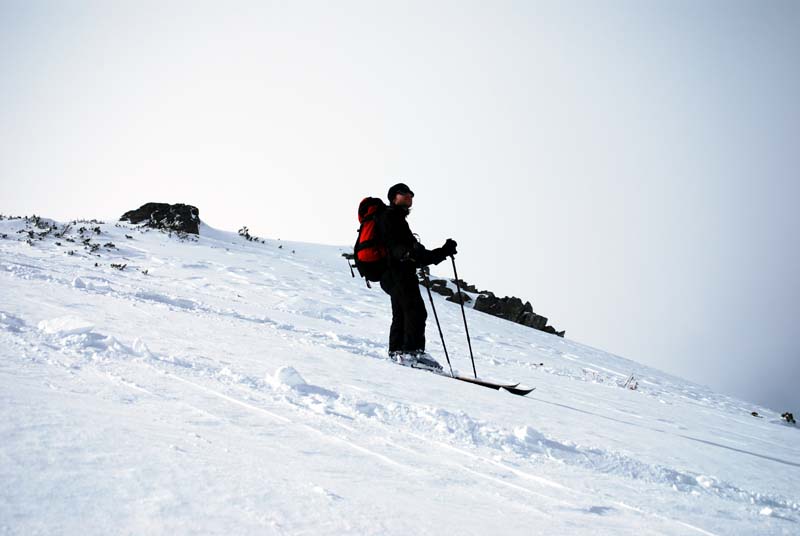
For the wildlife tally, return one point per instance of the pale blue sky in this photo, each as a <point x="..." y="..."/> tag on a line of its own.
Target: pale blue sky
<point x="629" y="167"/>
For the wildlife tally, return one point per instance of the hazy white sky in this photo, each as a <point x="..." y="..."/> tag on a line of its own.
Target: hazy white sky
<point x="629" y="167"/>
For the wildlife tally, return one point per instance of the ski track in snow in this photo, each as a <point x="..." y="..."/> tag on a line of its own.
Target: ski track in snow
<point x="419" y="441"/>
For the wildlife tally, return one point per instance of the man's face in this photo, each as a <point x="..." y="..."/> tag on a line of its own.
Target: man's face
<point x="404" y="199"/>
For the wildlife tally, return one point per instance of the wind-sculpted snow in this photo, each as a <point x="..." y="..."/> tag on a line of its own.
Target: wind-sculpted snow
<point x="97" y="284"/>
<point x="224" y="386"/>
<point x="10" y="322"/>
<point x="174" y="301"/>
<point x="65" y="326"/>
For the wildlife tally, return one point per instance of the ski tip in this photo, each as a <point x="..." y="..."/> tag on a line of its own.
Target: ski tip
<point x="519" y="392"/>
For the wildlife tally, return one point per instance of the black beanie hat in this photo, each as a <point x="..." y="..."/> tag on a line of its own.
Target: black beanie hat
<point x="398" y="188"/>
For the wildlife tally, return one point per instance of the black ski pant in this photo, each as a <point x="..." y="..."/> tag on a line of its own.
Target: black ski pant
<point x="407" y="333"/>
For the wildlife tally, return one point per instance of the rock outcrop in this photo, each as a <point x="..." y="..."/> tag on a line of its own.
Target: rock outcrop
<point x="178" y="217"/>
<point x="508" y="308"/>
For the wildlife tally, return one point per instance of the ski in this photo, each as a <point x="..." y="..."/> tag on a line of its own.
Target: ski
<point x="512" y="388"/>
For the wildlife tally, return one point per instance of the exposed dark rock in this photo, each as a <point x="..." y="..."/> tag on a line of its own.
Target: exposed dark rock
<point x="454" y="297"/>
<point x="466" y="287"/>
<point x="508" y="308"/>
<point x="532" y="320"/>
<point x="512" y="308"/>
<point x="447" y="291"/>
<point x="551" y="329"/>
<point x="245" y="233"/>
<point x="439" y="286"/>
<point x="177" y="217"/>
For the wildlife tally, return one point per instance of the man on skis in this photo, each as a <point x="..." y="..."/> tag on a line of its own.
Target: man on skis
<point x="400" y="282"/>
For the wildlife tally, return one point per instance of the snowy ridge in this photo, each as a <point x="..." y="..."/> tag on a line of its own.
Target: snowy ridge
<point x="232" y="386"/>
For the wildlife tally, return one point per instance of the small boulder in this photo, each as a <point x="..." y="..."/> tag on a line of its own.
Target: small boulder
<point x="437" y="285"/>
<point x="533" y="320"/>
<point x="454" y="297"/>
<point x="465" y="286"/>
<point x="444" y="291"/>
<point x="508" y="308"/>
<point x="552" y="331"/>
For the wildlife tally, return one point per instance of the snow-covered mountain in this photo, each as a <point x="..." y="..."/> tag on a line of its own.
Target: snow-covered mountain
<point x="215" y="385"/>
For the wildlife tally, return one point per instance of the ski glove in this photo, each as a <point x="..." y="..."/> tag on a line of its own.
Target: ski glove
<point x="449" y="248"/>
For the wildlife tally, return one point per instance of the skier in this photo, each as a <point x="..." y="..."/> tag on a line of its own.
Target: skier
<point x="405" y="255"/>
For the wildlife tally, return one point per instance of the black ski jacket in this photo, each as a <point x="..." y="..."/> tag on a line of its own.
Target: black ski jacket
<point x="404" y="248"/>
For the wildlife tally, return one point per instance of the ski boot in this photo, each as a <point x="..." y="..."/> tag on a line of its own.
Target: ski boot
<point x="422" y="360"/>
<point x="418" y="359"/>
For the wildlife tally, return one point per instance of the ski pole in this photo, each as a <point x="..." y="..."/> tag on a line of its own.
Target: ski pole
<point x="463" y="314"/>
<point x="441" y="335"/>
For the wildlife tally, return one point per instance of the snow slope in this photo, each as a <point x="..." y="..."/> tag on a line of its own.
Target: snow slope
<point x="224" y="386"/>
